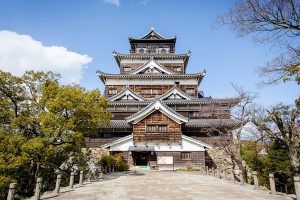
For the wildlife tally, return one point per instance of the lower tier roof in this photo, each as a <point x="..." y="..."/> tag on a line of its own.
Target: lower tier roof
<point x="192" y="123"/>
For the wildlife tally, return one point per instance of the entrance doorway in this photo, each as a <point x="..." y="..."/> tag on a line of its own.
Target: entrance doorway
<point x="143" y="158"/>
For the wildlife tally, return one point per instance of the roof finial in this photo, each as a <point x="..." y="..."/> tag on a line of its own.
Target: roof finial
<point x="152" y="28"/>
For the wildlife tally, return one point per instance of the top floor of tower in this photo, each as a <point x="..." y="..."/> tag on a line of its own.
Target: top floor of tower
<point x="152" y="43"/>
<point x="152" y="46"/>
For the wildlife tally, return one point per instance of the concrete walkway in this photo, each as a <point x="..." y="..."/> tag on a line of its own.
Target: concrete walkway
<point x="156" y="185"/>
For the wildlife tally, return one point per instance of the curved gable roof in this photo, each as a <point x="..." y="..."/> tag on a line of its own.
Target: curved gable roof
<point x="152" y="107"/>
<point x="175" y="93"/>
<point x="152" y="65"/>
<point x="128" y="94"/>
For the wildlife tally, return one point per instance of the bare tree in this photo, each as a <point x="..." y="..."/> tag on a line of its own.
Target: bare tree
<point x="276" y="21"/>
<point x="232" y="141"/>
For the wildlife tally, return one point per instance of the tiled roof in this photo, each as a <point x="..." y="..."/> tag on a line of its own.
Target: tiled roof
<point x="152" y="60"/>
<point x="165" y="95"/>
<point x="103" y="74"/>
<point x="149" y="55"/>
<point x="141" y="148"/>
<point x="153" y="103"/>
<point x="192" y="123"/>
<point x="217" y="123"/>
<point x="118" y="124"/>
<point x="119" y="95"/>
<point x="204" y="100"/>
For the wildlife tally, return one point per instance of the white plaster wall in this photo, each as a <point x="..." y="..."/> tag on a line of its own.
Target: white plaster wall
<point x="129" y="61"/>
<point x="184" y="146"/>
<point x="154" y="81"/>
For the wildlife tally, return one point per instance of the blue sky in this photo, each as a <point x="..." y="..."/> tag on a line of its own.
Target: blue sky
<point x="89" y="30"/>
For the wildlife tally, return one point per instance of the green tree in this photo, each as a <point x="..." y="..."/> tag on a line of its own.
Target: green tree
<point x="282" y="123"/>
<point x="42" y="125"/>
<point x="277" y="161"/>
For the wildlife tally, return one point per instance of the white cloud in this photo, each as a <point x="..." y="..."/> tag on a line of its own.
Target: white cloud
<point x="19" y="53"/>
<point x="114" y="2"/>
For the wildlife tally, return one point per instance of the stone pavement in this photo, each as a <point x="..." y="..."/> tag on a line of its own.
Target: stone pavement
<point x="163" y="185"/>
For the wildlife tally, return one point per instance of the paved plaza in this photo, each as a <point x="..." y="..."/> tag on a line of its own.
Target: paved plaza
<point x="162" y="185"/>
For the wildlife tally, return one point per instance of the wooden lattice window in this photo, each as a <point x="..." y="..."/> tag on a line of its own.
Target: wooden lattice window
<point x="190" y="91"/>
<point x="157" y="128"/>
<point x="177" y="69"/>
<point x="186" y="156"/>
<point x="112" y="91"/>
<point x="127" y="69"/>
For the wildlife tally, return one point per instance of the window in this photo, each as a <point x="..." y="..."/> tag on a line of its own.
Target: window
<point x="195" y="114"/>
<point x="150" y="91"/>
<point x="141" y="51"/>
<point x="151" y="128"/>
<point x="157" y="128"/>
<point x="177" y="69"/>
<point x="107" y="135"/>
<point x="186" y="156"/>
<point x="146" y="91"/>
<point x="162" y="128"/>
<point x="163" y="51"/>
<point x="156" y="91"/>
<point x="127" y="69"/>
<point x="190" y="91"/>
<point x="112" y="91"/>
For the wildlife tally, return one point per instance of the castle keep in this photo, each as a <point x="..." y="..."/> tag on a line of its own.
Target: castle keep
<point x="159" y="116"/>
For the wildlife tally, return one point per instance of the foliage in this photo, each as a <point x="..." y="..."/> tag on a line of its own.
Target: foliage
<point x="42" y="125"/>
<point x="277" y="162"/>
<point x="281" y="123"/>
<point x="117" y="161"/>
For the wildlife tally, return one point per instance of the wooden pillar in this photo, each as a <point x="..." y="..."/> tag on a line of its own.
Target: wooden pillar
<point x="105" y="170"/>
<point x="232" y="176"/>
<point x="206" y="170"/>
<point x="255" y="179"/>
<point x="213" y="171"/>
<point x="242" y="180"/>
<point x="272" y="184"/>
<point x="224" y="173"/>
<point x="72" y="180"/>
<point x="297" y="186"/>
<point x="81" y="178"/>
<point x="38" y="188"/>
<point x="113" y="168"/>
<point x="57" y="185"/>
<point x="12" y="191"/>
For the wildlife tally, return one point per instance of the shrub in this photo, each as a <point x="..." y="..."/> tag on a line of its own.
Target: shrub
<point x="117" y="161"/>
<point x="122" y="166"/>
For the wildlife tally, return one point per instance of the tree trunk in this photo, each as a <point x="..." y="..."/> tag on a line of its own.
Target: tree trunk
<point x="293" y="154"/>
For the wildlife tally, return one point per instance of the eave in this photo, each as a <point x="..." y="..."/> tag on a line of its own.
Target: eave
<point x="104" y="76"/>
<point x="185" y="56"/>
<point x="230" y="101"/>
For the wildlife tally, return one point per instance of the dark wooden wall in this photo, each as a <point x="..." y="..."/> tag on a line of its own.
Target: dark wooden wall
<point x="140" y="133"/>
<point x="138" y="88"/>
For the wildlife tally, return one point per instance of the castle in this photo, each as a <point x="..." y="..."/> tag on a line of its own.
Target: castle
<point x="159" y="116"/>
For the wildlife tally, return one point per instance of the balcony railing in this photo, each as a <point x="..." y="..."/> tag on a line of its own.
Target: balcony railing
<point x="152" y="51"/>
